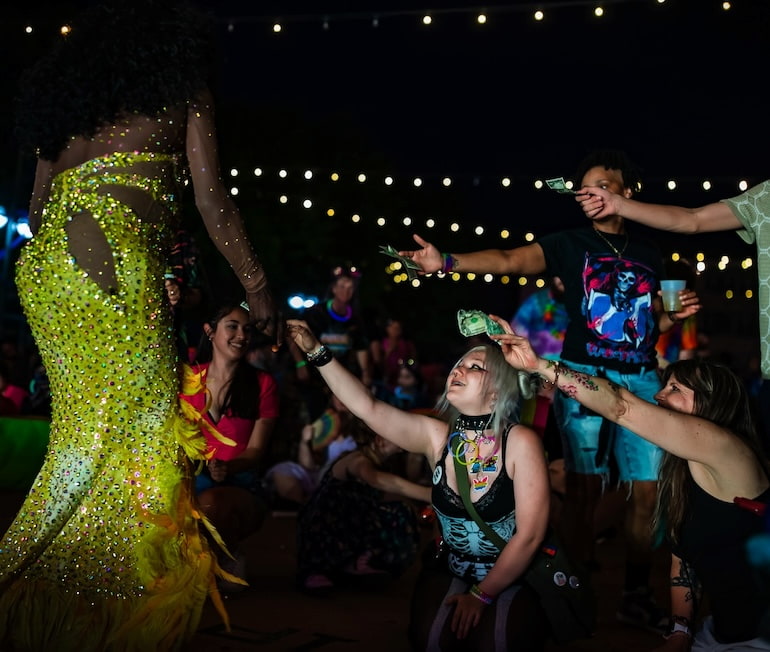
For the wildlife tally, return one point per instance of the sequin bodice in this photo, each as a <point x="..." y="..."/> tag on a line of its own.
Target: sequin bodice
<point x="107" y="518"/>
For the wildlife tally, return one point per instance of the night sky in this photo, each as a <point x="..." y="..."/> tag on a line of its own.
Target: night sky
<point x="678" y="85"/>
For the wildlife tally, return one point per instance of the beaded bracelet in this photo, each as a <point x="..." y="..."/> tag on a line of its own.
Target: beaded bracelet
<point x="557" y="371"/>
<point x="477" y="593"/>
<point x="320" y="356"/>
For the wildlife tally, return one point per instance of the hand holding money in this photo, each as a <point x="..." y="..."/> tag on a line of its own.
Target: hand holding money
<point x="407" y="264"/>
<point x="475" y="322"/>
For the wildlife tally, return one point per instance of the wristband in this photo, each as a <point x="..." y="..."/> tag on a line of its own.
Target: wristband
<point x="679" y="627"/>
<point x="477" y="593"/>
<point x="320" y="356"/>
<point x="300" y="363"/>
<point x="449" y="263"/>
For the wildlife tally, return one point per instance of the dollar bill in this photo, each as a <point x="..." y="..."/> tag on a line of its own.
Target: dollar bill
<point x="407" y="264"/>
<point x="475" y="322"/>
<point x="559" y="185"/>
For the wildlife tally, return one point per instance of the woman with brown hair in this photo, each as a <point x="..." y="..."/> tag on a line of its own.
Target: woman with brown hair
<point x="714" y="482"/>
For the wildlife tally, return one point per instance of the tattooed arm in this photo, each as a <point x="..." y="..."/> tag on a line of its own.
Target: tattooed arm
<point x="685" y="595"/>
<point x="670" y="425"/>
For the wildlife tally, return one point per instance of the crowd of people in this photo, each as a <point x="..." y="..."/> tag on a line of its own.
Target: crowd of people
<point x="166" y="456"/>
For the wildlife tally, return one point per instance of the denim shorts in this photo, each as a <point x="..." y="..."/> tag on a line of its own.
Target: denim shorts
<point x="588" y="439"/>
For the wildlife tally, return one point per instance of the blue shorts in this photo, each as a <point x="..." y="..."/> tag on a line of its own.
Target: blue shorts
<point x="587" y="438"/>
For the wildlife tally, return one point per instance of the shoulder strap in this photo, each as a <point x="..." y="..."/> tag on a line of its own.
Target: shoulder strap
<point x="465" y="493"/>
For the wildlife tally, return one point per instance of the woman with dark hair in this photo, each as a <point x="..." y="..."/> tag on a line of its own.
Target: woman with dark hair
<point x="474" y="600"/>
<point x="106" y="553"/>
<point x="713" y="485"/>
<point x="237" y="406"/>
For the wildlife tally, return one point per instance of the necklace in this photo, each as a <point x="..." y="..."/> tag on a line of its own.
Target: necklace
<point x="480" y="422"/>
<point x="619" y="254"/>
<point x="337" y="317"/>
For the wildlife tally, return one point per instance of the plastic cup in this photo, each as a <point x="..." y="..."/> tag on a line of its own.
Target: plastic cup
<point x="670" y="290"/>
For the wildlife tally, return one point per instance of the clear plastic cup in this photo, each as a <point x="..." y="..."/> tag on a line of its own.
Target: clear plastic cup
<point x="670" y="290"/>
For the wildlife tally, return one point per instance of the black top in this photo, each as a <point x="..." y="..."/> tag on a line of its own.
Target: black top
<point x="713" y="541"/>
<point x="609" y="297"/>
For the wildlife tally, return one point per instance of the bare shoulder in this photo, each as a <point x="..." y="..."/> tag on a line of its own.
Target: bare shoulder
<point x="523" y="437"/>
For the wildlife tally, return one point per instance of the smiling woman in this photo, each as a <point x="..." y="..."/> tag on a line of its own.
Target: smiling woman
<point x="236" y="407"/>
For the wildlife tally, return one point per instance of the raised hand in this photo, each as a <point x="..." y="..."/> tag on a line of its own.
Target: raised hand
<point x="598" y="202"/>
<point x="517" y="350"/>
<point x="302" y="336"/>
<point x="428" y="257"/>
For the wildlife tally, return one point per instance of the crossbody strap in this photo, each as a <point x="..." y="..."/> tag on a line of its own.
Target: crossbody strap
<point x="464" y="490"/>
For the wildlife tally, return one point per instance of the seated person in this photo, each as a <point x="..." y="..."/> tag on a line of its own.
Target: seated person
<point x="236" y="407"/>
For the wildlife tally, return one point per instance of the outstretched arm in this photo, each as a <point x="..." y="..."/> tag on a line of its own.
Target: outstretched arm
<point x="598" y="202"/>
<point x="220" y="214"/>
<point x="412" y="432"/>
<point x="529" y="259"/>
<point x="684" y="435"/>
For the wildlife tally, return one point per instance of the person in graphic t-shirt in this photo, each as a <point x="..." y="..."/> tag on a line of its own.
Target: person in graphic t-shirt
<point x="613" y="327"/>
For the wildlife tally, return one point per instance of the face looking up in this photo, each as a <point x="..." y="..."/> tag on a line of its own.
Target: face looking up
<point x="467" y="388"/>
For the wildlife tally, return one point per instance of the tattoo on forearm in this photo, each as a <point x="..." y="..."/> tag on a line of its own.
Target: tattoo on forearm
<point x="685" y="577"/>
<point x="579" y="380"/>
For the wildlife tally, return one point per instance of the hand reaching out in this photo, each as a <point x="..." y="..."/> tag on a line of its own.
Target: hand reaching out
<point x="302" y="336"/>
<point x="517" y="350"/>
<point x="428" y="257"/>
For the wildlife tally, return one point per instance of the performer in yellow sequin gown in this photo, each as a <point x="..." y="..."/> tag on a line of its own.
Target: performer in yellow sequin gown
<point x="106" y="553"/>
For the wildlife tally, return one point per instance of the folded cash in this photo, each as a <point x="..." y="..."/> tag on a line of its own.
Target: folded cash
<point x="475" y="322"/>
<point x="407" y="263"/>
<point x="559" y="185"/>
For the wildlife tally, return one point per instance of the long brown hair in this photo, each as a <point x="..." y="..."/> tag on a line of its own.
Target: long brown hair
<point x="721" y="397"/>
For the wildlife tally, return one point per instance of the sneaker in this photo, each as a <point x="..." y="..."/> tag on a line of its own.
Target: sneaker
<point x="638" y="608"/>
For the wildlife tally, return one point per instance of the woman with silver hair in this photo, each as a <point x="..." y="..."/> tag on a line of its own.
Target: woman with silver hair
<point x="460" y="604"/>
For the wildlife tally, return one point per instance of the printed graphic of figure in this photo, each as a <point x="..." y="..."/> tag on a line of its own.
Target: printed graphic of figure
<point x="618" y="310"/>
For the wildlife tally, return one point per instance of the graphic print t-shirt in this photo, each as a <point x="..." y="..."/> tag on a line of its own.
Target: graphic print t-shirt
<point x="609" y="298"/>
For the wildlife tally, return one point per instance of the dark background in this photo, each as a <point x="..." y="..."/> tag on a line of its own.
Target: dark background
<point x="678" y="85"/>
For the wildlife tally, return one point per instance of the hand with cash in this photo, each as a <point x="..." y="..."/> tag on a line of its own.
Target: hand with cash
<point x="475" y="322"/>
<point x="407" y="264"/>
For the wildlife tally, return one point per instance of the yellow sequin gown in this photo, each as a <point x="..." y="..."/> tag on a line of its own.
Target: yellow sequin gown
<point x="105" y="553"/>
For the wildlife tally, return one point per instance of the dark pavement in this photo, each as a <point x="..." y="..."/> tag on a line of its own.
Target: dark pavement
<point x="273" y="616"/>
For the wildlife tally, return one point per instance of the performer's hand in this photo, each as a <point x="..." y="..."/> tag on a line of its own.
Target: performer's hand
<point x="302" y="336"/>
<point x="428" y="258"/>
<point x="263" y="314"/>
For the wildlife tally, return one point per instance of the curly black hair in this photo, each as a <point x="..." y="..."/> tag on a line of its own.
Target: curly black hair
<point x="612" y="159"/>
<point x="119" y="58"/>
